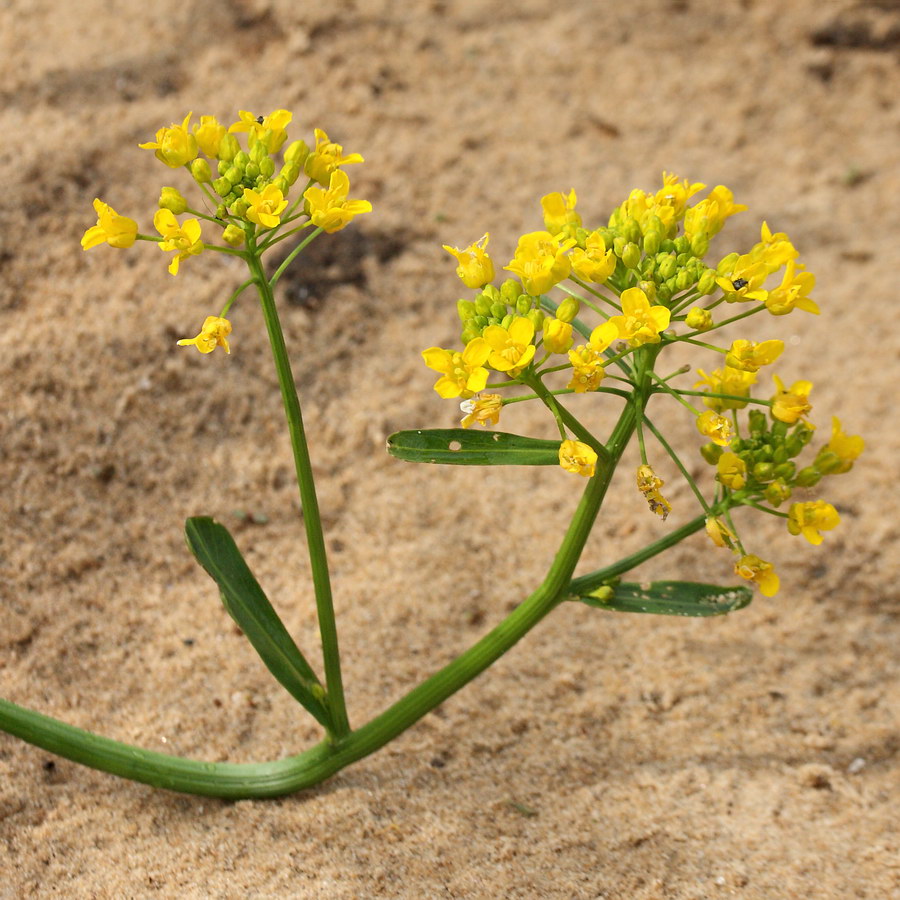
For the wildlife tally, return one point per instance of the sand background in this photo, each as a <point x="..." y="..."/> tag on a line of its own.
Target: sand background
<point x="613" y="756"/>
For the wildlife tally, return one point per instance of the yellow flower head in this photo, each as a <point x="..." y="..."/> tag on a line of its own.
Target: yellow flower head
<point x="557" y="335"/>
<point x="793" y="292"/>
<point x="184" y="239"/>
<point x="587" y="359"/>
<point x="209" y="134"/>
<point x="708" y="216"/>
<point x="749" y="357"/>
<point x="791" y="404"/>
<point x="774" y="250"/>
<point x="846" y="447"/>
<point x="719" y="533"/>
<point x="714" y="426"/>
<point x="540" y="261"/>
<point x="483" y="409"/>
<point x="577" y="458"/>
<point x="732" y="471"/>
<point x="265" y="209"/>
<point x="327" y="157"/>
<point x="511" y="348"/>
<point x="331" y="210"/>
<point x="175" y="145"/>
<point x="475" y="268"/>
<point x="809" y="519"/>
<point x="462" y="374"/>
<point x="640" y="323"/>
<point x="214" y="333"/>
<point x="675" y="194"/>
<point x="271" y="130"/>
<point x="745" y="281"/>
<point x="111" y="228"/>
<point x="559" y="211"/>
<point x="595" y="263"/>
<point x="759" y="571"/>
<point x="726" y="381"/>
<point x="649" y="483"/>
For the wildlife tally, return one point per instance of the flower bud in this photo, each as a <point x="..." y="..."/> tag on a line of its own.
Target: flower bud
<point x="228" y="148"/>
<point x="631" y="255"/>
<point x="557" y="336"/>
<point x="483" y="304"/>
<point x="667" y="267"/>
<point x="201" y="171"/>
<point x="536" y="316"/>
<point x="699" y="245"/>
<point x="522" y="303"/>
<point x="652" y="241"/>
<point x="808" y="477"/>
<point x="234" y="175"/>
<point x="828" y="462"/>
<point x="764" y="471"/>
<point x="507" y="320"/>
<point x="498" y="310"/>
<point x="777" y="492"/>
<point x="631" y="231"/>
<point x="258" y="152"/>
<point x="267" y="167"/>
<point x="171" y="199"/>
<point x="282" y="184"/>
<point x="251" y="170"/>
<point x="290" y="173"/>
<point x="233" y="235"/>
<point x="479" y="321"/>
<point x="699" y="319"/>
<point x="758" y="422"/>
<point x="707" y="283"/>
<point x="470" y="332"/>
<point x="511" y="290"/>
<point x="785" y="470"/>
<point x="296" y="153"/>
<point x="683" y="280"/>
<point x="618" y="245"/>
<point x="664" y="293"/>
<point x="711" y="452"/>
<point x="491" y="291"/>
<point x="682" y="244"/>
<point x="241" y="159"/>
<point x="241" y="207"/>
<point x="465" y="309"/>
<point x="568" y="309"/>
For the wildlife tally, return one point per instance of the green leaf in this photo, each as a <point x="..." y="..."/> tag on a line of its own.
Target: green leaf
<point x="670" y="598"/>
<point x="461" y="447"/>
<point x="248" y="605"/>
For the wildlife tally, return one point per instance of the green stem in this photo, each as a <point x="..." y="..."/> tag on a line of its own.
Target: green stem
<point x="311" y="517"/>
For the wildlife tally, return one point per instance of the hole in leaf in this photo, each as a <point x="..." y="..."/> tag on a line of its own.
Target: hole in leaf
<point x="495" y="436"/>
<point x="454" y="445"/>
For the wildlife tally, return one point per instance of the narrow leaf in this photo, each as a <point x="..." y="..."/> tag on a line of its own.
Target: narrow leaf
<point x="461" y="447"/>
<point x="670" y="598"/>
<point x="248" y="605"/>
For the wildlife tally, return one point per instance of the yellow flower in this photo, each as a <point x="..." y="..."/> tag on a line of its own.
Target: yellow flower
<point x="265" y="209"/>
<point x="791" y="404"/>
<point x="809" y="519"/>
<point x="793" y="292"/>
<point x="649" y="483"/>
<point x="775" y="250"/>
<point x="209" y="134"/>
<point x="185" y="238"/>
<point x="719" y="533"/>
<point x="540" y="261"/>
<point x="557" y="335"/>
<point x="214" y="333"/>
<point x="717" y="428"/>
<point x="640" y="323"/>
<point x="475" y="267"/>
<point x="749" y="357"/>
<point x="270" y="129"/>
<point x="175" y="145"/>
<point x="846" y="447"/>
<point x="726" y="381"/>
<point x="511" y="348"/>
<point x="327" y="157"/>
<point x="732" y="471"/>
<point x="675" y="194"/>
<point x="699" y="319"/>
<point x="331" y="210"/>
<point x="759" y="571"/>
<point x="559" y="211"/>
<point x="463" y="374"/>
<point x="587" y="359"/>
<point x="577" y="458"/>
<point x="483" y="409"/>
<point x="745" y="281"/>
<point x="595" y="263"/>
<point x="111" y="228"/>
<point x="709" y="215"/>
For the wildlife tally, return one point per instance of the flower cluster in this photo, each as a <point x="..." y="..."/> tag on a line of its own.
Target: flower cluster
<point x="247" y="195"/>
<point x="646" y="275"/>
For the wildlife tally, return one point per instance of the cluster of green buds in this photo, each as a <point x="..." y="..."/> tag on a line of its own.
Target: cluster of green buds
<point x="498" y="306"/>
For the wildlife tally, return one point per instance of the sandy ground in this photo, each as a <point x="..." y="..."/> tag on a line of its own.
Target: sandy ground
<point x="607" y="756"/>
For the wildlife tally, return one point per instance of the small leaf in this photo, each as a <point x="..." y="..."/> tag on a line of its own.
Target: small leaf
<point x="670" y="598"/>
<point x="461" y="447"/>
<point x="248" y="605"/>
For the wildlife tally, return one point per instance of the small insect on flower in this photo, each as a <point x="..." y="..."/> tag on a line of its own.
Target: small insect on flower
<point x="740" y="283"/>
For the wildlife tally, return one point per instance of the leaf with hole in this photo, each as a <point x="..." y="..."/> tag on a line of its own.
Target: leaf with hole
<point x="246" y="603"/>
<point x="669" y="598"/>
<point x="460" y="447"/>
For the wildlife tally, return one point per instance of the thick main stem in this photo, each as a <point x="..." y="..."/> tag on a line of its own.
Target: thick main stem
<point x="312" y="520"/>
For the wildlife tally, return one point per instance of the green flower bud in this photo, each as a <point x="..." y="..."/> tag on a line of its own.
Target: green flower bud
<point x="699" y="245"/>
<point x="296" y="153"/>
<point x="267" y="167"/>
<point x="682" y="244"/>
<point x="707" y="283"/>
<point x="631" y="231"/>
<point x="241" y="159"/>
<point x="758" y="422"/>
<point x="780" y="455"/>
<point x="228" y="148"/>
<point x="223" y="165"/>
<point x="649" y="288"/>
<point x="619" y="243"/>
<point x="470" y="332"/>
<point x="667" y="246"/>
<point x="234" y="175"/>
<point x="465" y="309"/>
<point x="652" y="240"/>
<point x="683" y="280"/>
<point x="522" y="303"/>
<point x="631" y="255"/>
<point x="711" y="452"/>
<point x="664" y="293"/>
<point x="240" y="208"/>
<point x="510" y="291"/>
<point x="764" y="471"/>
<point x="479" y="321"/>
<point x="568" y="309"/>
<point x="483" y="304"/>
<point x="221" y="211"/>
<point x="785" y="470"/>
<point x="258" y="152"/>
<point x="233" y="235"/>
<point x="828" y="462"/>
<point x="777" y="492"/>
<point x="682" y="259"/>
<point x="201" y="171"/>
<point x="290" y="173"/>
<point x="252" y="169"/>
<point x="537" y="319"/>
<point x="667" y="266"/>
<point x="779" y="429"/>
<point x="808" y="477"/>
<point x="648" y="266"/>
<point x="171" y="199"/>
<point x="493" y="292"/>
<point x="498" y="310"/>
